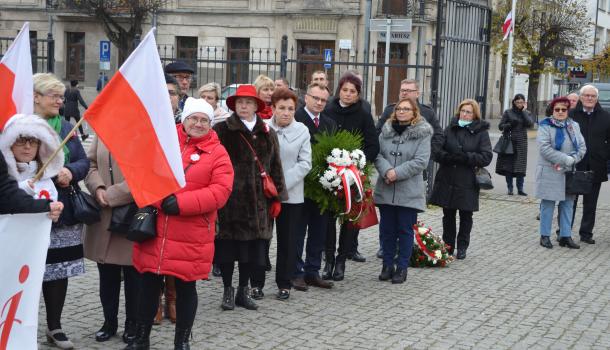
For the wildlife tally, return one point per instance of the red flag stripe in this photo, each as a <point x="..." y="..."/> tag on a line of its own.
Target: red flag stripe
<point x="7" y="105"/>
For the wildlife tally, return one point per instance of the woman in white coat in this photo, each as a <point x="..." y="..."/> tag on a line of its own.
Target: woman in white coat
<point x="295" y="153"/>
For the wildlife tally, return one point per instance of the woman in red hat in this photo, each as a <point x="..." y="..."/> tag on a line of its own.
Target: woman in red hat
<point x="245" y="221"/>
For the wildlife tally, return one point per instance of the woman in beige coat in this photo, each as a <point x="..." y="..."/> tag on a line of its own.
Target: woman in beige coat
<point x="111" y="250"/>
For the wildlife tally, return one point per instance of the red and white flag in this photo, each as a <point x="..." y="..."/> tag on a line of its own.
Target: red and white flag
<point x="507" y="27"/>
<point x="133" y="117"/>
<point x="16" y="86"/>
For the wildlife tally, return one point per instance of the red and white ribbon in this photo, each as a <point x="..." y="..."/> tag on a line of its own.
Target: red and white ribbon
<point x="346" y="173"/>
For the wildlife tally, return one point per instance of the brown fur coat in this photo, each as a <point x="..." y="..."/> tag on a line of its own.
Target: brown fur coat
<point x="245" y="217"/>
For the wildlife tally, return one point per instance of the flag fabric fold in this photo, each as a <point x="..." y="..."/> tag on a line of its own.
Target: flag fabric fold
<point x="16" y="86"/>
<point x="507" y="27"/>
<point x="133" y="117"/>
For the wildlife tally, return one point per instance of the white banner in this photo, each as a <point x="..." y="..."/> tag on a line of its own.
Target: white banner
<point x="24" y="240"/>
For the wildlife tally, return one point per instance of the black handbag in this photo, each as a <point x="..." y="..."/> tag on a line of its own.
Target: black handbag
<point x="505" y="144"/>
<point x="85" y="208"/>
<point x="122" y="215"/>
<point x="483" y="178"/>
<point x="144" y="225"/>
<point x="579" y="182"/>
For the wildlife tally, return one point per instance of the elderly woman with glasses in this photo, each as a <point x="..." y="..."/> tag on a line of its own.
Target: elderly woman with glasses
<point x="560" y="147"/>
<point x="465" y="146"/>
<point x="65" y="255"/>
<point x="210" y="92"/>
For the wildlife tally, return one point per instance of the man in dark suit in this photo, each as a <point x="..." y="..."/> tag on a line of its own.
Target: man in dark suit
<point x="314" y="224"/>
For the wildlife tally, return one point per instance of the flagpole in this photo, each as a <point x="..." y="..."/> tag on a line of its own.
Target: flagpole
<point x="61" y="146"/>
<point x="509" y="61"/>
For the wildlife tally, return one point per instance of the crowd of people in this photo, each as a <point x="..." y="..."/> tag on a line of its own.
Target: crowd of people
<point x="245" y="175"/>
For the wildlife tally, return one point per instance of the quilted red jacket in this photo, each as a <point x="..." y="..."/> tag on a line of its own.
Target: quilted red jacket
<point x="184" y="246"/>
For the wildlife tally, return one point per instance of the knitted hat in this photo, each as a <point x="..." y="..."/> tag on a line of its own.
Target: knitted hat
<point x="196" y="105"/>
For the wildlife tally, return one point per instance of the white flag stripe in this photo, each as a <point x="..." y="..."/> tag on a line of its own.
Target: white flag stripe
<point x="17" y="59"/>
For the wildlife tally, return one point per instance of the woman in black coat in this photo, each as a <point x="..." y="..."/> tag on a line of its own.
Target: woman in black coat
<point x="72" y="99"/>
<point x="464" y="147"/>
<point x="349" y="114"/>
<point x="515" y="122"/>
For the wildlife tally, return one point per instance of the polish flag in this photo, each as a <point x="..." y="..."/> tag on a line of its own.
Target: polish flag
<point x="16" y="86"/>
<point x="507" y="27"/>
<point x="133" y="117"/>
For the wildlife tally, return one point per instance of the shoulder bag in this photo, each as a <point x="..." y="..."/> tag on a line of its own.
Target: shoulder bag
<point x="269" y="188"/>
<point x="483" y="179"/>
<point x="505" y="144"/>
<point x="578" y="181"/>
<point x="85" y="208"/>
<point x="122" y="216"/>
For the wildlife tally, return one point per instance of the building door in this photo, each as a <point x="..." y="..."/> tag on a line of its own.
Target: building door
<point x="238" y="49"/>
<point x="186" y="50"/>
<point x="312" y="50"/>
<point x="75" y="60"/>
<point x="398" y="55"/>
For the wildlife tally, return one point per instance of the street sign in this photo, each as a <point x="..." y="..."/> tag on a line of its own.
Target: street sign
<point x="397" y="25"/>
<point x="328" y="57"/>
<point x="561" y="64"/>
<point x="104" y="55"/>
<point x="396" y="37"/>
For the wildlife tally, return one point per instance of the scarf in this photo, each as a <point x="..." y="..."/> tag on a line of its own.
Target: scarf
<point x="55" y="123"/>
<point x="560" y="136"/>
<point x="399" y="128"/>
<point x="463" y="123"/>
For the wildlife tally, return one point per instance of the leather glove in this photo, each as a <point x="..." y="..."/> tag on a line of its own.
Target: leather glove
<point x="170" y="205"/>
<point x="275" y="208"/>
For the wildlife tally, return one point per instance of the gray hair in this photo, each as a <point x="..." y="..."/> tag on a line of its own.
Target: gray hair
<point x="47" y="82"/>
<point x="587" y="87"/>
<point x="409" y="82"/>
<point x="213" y="86"/>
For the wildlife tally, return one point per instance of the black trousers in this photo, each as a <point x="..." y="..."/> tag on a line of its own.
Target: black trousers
<point x="346" y="239"/>
<point x="463" y="234"/>
<point x="186" y="300"/>
<point x="54" y="293"/>
<point x="589" y="206"/>
<point x="110" y="291"/>
<point x="287" y="225"/>
<point x="259" y="272"/>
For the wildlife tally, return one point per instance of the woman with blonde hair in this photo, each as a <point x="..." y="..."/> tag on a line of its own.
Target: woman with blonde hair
<point x="210" y="92"/>
<point x="264" y="89"/>
<point x="465" y="146"/>
<point x="404" y="150"/>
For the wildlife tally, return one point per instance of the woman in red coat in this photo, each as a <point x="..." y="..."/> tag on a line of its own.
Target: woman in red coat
<point x="184" y="246"/>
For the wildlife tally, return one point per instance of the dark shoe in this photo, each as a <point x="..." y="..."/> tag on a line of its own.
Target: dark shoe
<point x="142" y="341"/>
<point x="299" y="284"/>
<point x="587" y="240"/>
<point x="545" y="241"/>
<point x="316" y="281"/>
<point x="329" y="267"/>
<point x="568" y="242"/>
<point x="59" y="338"/>
<point x="283" y="294"/>
<point x="510" y="191"/>
<point x="521" y="193"/>
<point x="107" y="331"/>
<point x="228" y="299"/>
<point x="216" y="270"/>
<point x="379" y="254"/>
<point x="243" y="299"/>
<point x="339" y="272"/>
<point x="84" y="137"/>
<point x="181" y="338"/>
<point x="357" y="257"/>
<point x="399" y="276"/>
<point x="129" y="334"/>
<point x="461" y="254"/>
<point x="257" y="293"/>
<point x="386" y="273"/>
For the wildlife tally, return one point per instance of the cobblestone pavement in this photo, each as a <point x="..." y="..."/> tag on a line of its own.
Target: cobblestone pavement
<point x="509" y="293"/>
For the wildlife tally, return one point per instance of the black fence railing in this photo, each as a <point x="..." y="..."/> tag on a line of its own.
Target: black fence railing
<point x="42" y="53"/>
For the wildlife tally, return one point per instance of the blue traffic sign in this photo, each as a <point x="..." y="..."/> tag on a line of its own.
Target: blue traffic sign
<point x="328" y="57"/>
<point x="104" y="51"/>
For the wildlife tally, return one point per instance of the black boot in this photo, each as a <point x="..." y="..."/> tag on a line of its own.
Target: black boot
<point x="216" y="270"/>
<point x="107" y="331"/>
<point x="228" y="299"/>
<point x="329" y="267"/>
<point x="181" y="338"/>
<point x="386" y="273"/>
<point x="243" y="299"/>
<point x="399" y="276"/>
<point x="129" y="334"/>
<point x="339" y="272"/>
<point x="568" y="242"/>
<point x="545" y="241"/>
<point x="142" y="341"/>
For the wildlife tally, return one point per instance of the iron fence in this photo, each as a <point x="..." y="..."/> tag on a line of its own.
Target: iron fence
<point x="42" y="52"/>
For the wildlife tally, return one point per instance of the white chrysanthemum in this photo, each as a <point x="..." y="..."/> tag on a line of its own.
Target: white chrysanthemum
<point x="336" y="182"/>
<point x="330" y="175"/>
<point x="336" y="152"/>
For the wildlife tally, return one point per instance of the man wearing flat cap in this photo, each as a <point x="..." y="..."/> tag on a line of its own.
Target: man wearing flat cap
<point x="184" y="75"/>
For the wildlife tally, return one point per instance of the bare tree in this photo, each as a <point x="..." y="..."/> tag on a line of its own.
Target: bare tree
<point x="544" y="30"/>
<point x="121" y="19"/>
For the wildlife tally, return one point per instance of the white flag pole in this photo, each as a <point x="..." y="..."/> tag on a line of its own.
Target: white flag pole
<point x="509" y="61"/>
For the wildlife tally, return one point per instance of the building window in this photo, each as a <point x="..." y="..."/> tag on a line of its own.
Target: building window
<point x="75" y="60"/>
<point x="238" y="49"/>
<point x="395" y="7"/>
<point x="313" y="50"/>
<point x="186" y="50"/>
<point x="34" y="50"/>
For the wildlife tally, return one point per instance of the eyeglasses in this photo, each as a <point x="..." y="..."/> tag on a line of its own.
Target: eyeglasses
<point x="172" y="92"/>
<point x="183" y="76"/>
<point x="403" y="109"/>
<point x="55" y="97"/>
<point x="195" y="121"/>
<point x="560" y="109"/>
<point x="407" y="91"/>
<point x="463" y="111"/>
<point x="588" y="96"/>
<point x="22" y="141"/>
<point x="318" y="99"/>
